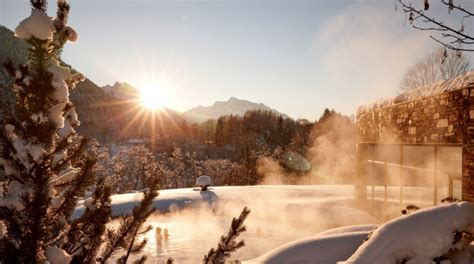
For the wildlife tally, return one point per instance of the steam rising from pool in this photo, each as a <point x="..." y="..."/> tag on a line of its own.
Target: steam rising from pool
<point x="280" y="214"/>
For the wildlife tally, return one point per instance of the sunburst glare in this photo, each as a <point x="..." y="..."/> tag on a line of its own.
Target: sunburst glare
<point x="153" y="96"/>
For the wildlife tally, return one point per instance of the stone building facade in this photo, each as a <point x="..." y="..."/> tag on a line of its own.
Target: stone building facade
<point x="445" y="118"/>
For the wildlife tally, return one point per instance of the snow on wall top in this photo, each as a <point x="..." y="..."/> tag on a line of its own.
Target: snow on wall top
<point x="460" y="82"/>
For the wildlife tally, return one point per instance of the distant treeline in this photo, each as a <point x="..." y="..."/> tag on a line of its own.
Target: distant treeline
<point x="230" y="147"/>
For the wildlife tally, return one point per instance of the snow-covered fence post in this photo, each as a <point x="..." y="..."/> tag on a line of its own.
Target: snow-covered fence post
<point x="203" y="182"/>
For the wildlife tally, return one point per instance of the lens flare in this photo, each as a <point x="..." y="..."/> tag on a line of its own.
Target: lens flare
<point x="153" y="97"/>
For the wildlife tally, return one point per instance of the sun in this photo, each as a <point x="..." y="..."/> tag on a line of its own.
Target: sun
<point x="152" y="97"/>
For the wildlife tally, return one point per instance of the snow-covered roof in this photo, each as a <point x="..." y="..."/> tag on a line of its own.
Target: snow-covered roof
<point x="460" y="82"/>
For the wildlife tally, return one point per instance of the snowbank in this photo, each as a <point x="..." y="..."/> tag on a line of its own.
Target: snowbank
<point x="326" y="247"/>
<point x="321" y="250"/>
<point x="347" y="229"/>
<point x="418" y="237"/>
<point x="460" y="82"/>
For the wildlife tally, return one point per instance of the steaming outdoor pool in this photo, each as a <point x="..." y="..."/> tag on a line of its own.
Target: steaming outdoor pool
<point x="280" y="214"/>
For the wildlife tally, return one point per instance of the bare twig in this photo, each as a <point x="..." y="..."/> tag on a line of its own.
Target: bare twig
<point x="457" y="36"/>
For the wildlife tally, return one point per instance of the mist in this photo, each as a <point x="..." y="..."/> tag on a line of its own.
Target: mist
<point x="333" y="149"/>
<point x="278" y="215"/>
<point x="330" y="156"/>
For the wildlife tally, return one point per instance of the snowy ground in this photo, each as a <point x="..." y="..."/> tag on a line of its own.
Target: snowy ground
<point x="440" y="233"/>
<point x="280" y="214"/>
<point x="328" y="247"/>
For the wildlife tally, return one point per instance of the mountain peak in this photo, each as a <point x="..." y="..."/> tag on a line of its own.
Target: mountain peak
<point x="233" y="106"/>
<point x="121" y="90"/>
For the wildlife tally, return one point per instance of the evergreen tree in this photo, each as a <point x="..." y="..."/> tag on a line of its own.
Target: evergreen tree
<point x="133" y="168"/>
<point x="43" y="165"/>
<point x="195" y="166"/>
<point x="124" y="237"/>
<point x="219" y="135"/>
<point x="46" y="165"/>
<point x="228" y="244"/>
<point x="224" y="172"/>
<point x="178" y="167"/>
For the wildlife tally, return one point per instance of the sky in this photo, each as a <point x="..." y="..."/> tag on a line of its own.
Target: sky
<point x="295" y="56"/>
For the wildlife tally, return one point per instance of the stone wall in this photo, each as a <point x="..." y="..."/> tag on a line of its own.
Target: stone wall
<point x="436" y="119"/>
<point x="442" y="118"/>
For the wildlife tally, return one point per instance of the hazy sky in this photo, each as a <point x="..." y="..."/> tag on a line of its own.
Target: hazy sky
<point x="295" y="56"/>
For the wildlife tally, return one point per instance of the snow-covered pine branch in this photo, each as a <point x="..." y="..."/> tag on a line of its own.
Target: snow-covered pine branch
<point x="228" y="244"/>
<point x="130" y="226"/>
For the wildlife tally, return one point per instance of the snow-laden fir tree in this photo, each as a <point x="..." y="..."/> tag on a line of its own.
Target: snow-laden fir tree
<point x="195" y="167"/>
<point x="178" y="168"/>
<point x="46" y="167"/>
<point x="130" y="169"/>
<point x="223" y="171"/>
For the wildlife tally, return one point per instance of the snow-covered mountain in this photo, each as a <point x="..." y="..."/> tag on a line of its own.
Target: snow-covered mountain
<point x="122" y="90"/>
<point x="233" y="106"/>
